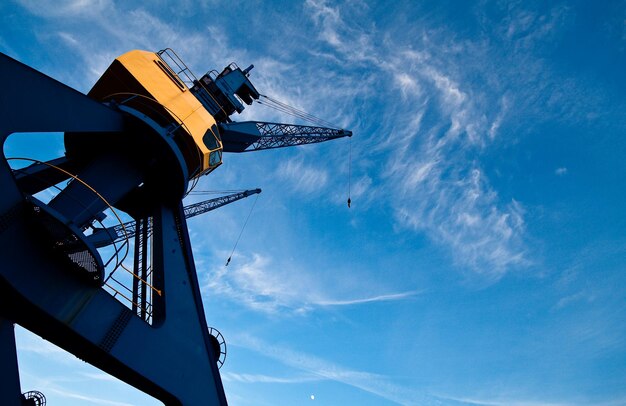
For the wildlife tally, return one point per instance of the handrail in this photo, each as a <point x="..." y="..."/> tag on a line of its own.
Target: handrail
<point x="180" y="65"/>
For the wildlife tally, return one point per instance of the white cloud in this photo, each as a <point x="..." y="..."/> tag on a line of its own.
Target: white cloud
<point x="497" y="122"/>
<point x="301" y="177"/>
<point x="503" y="402"/>
<point x="451" y="94"/>
<point x="573" y="298"/>
<point x="339" y="35"/>
<point x="418" y="173"/>
<point x="254" y="283"/>
<point x="433" y="175"/>
<point x="525" y="27"/>
<point x="262" y="285"/>
<point x="100" y="376"/>
<point x="329" y="18"/>
<point x="68" y="38"/>
<point x="67" y="8"/>
<point x="562" y="171"/>
<point x="28" y="342"/>
<point x="379" y="298"/>
<point x="361" y="191"/>
<point x="512" y="401"/>
<point x="257" y="378"/>
<point x="87" y="399"/>
<point x="72" y="374"/>
<point x="114" y="31"/>
<point x="460" y="210"/>
<point x="408" y="85"/>
<point x="370" y="382"/>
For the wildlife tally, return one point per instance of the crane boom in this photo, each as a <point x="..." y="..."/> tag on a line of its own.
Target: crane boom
<point x="196" y="209"/>
<point x="102" y="237"/>
<point x="258" y="135"/>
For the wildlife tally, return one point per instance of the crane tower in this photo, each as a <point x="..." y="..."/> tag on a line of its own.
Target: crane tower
<point x="145" y="132"/>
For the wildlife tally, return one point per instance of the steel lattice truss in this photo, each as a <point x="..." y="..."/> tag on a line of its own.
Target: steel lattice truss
<point x="275" y="135"/>
<point x="196" y="209"/>
<point x="129" y="229"/>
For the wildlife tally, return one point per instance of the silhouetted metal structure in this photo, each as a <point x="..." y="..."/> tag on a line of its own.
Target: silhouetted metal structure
<point x="102" y="237"/>
<point x="145" y="131"/>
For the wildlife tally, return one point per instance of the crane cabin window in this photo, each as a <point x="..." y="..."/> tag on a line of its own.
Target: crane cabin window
<point x="213" y="142"/>
<point x="211" y="138"/>
<point x="215" y="158"/>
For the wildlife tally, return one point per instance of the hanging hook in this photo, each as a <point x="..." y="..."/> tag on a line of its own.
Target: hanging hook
<point x="349" y="172"/>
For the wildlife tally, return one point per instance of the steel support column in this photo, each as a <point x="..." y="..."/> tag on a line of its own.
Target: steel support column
<point x="10" y="390"/>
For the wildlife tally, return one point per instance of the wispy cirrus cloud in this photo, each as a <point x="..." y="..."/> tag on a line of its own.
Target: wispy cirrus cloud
<point x="258" y="378"/>
<point x="433" y="170"/>
<point x="261" y="285"/>
<point x="67" y="8"/>
<point x="301" y="177"/>
<point x="100" y="376"/>
<point x="31" y="343"/>
<point x="256" y="284"/>
<point x="524" y="27"/>
<point x="497" y="402"/>
<point x="74" y="376"/>
<point x="124" y="28"/>
<point x="87" y="399"/>
<point x="513" y="401"/>
<point x="581" y="296"/>
<point x="377" y="384"/>
<point x="373" y="299"/>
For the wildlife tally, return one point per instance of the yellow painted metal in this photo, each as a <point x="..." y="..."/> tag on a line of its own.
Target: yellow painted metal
<point x="141" y="80"/>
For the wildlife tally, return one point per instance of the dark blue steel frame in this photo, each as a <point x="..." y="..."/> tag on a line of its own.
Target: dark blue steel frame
<point x="171" y="359"/>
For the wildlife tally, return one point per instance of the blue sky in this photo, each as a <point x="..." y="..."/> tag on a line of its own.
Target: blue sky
<point x="483" y="259"/>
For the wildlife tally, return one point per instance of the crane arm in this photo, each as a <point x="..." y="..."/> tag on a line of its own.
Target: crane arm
<point x="196" y="209"/>
<point x="102" y="237"/>
<point x="258" y="135"/>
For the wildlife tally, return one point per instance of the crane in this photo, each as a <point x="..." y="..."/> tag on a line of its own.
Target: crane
<point x="136" y="143"/>
<point x="249" y="136"/>
<point x="102" y="237"/>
